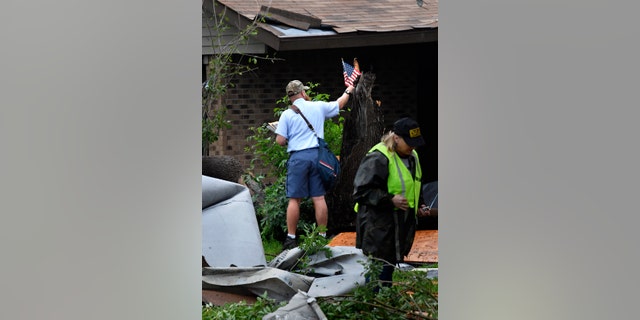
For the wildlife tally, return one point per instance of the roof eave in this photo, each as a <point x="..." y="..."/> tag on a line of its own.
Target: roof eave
<point x="271" y="37"/>
<point x="355" y="39"/>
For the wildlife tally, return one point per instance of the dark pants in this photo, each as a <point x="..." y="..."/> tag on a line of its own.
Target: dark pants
<point x="386" y="276"/>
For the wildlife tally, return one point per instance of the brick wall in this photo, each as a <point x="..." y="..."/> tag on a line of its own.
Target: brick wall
<point x="406" y="84"/>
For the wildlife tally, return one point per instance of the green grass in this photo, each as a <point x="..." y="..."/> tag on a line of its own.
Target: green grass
<point x="272" y="248"/>
<point x="241" y="310"/>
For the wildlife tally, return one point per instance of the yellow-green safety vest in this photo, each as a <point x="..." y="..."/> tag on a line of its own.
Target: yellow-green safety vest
<point x="400" y="180"/>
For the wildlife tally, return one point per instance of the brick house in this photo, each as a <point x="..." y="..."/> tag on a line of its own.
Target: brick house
<point x="395" y="39"/>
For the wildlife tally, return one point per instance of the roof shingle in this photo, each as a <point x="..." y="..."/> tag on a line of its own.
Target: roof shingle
<point x="344" y="16"/>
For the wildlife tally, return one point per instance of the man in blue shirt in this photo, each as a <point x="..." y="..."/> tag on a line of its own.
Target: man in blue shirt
<point x="303" y="180"/>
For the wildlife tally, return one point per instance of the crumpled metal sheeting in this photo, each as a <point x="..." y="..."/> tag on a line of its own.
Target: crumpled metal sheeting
<point x="337" y="275"/>
<point x="344" y="271"/>
<point x="287" y="259"/>
<point x="280" y="285"/>
<point x="343" y="259"/>
<point x="335" y="285"/>
<point x="229" y="238"/>
<point x="300" y="307"/>
<point x="216" y="190"/>
<point x="230" y="232"/>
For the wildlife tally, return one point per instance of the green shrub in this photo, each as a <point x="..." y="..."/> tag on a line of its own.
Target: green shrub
<point x="311" y="243"/>
<point x="241" y="310"/>
<point x="412" y="296"/>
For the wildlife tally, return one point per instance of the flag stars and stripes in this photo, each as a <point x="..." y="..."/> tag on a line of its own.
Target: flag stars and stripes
<point x="350" y="73"/>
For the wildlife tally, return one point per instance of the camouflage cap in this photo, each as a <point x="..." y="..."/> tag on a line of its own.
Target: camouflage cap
<point x="294" y="87"/>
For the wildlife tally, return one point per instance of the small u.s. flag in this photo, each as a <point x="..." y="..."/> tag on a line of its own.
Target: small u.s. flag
<point x="350" y="74"/>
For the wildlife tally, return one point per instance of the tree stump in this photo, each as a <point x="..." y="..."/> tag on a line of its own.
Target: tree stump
<point x="222" y="167"/>
<point x="363" y="128"/>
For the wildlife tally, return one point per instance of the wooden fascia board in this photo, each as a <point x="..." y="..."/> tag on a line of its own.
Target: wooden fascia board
<point x="269" y="36"/>
<point x="345" y="40"/>
<point x="357" y="40"/>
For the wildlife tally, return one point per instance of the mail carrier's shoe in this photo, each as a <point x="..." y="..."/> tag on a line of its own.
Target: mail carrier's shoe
<point x="289" y="243"/>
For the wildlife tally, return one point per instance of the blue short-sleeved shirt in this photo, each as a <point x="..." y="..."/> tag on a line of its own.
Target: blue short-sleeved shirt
<point x="295" y="129"/>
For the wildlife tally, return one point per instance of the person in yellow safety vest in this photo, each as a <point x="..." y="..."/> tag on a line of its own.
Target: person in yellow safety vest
<point x="386" y="191"/>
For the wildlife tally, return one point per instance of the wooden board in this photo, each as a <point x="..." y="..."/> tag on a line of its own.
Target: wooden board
<point x="219" y="298"/>
<point x="424" y="249"/>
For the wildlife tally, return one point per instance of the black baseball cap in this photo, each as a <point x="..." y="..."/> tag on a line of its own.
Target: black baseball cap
<point x="409" y="130"/>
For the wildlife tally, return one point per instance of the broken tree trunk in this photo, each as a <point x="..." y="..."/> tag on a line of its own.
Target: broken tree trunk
<point x="363" y="128"/>
<point x="222" y="167"/>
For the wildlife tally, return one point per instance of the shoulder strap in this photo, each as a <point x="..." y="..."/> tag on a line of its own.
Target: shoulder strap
<point x="296" y="110"/>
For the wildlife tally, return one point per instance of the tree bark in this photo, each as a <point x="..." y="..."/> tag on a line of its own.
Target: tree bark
<point x="363" y="128"/>
<point x="222" y="167"/>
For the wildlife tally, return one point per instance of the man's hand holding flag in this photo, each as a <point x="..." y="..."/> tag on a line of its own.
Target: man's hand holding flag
<point x="350" y="73"/>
